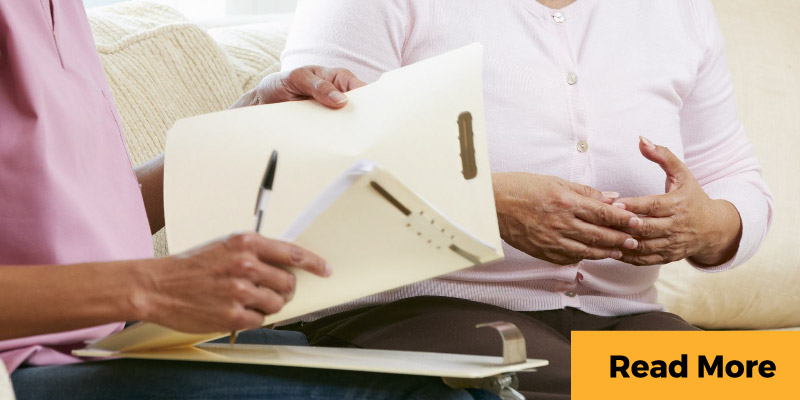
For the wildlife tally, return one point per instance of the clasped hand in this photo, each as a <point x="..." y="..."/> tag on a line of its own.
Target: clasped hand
<point x="564" y="223"/>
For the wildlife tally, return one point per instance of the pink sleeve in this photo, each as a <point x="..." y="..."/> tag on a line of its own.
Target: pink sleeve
<point x="716" y="149"/>
<point x="366" y="37"/>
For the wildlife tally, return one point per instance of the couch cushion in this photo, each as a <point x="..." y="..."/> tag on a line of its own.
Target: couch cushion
<point x="763" y="293"/>
<point x="254" y="48"/>
<point x="160" y="68"/>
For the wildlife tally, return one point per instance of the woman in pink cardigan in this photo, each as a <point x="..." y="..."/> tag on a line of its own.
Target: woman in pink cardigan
<point x="573" y="91"/>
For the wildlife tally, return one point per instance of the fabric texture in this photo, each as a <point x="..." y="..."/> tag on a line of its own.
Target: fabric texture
<point x="254" y="49"/>
<point x="149" y="379"/>
<point x="162" y="68"/>
<point x="447" y="325"/>
<point x="567" y="94"/>
<point x="68" y="193"/>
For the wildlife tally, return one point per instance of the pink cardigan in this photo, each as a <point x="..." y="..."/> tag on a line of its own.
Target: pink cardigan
<point x="567" y="93"/>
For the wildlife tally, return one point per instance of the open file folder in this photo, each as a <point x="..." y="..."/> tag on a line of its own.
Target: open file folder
<point x="423" y="207"/>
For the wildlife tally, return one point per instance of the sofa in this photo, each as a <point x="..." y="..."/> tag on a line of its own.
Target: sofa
<point x="161" y="67"/>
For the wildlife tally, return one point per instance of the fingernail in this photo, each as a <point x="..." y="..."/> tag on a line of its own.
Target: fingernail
<point x="328" y="270"/>
<point x="631" y="243"/>
<point x="634" y="222"/>
<point x="619" y="205"/>
<point x="616" y="254"/>
<point x="611" y="195"/>
<point x="647" y="143"/>
<point x="337" y="97"/>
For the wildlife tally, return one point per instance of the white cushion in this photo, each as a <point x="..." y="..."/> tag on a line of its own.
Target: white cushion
<point x="161" y="68"/>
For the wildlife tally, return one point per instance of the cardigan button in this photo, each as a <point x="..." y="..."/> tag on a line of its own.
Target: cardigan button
<point x="582" y="146"/>
<point x="572" y="78"/>
<point x="570" y="294"/>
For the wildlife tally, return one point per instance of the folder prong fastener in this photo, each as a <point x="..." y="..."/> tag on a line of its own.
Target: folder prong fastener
<point x="514" y="352"/>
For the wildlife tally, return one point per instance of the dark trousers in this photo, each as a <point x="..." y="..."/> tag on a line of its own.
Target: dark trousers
<point x="447" y="325"/>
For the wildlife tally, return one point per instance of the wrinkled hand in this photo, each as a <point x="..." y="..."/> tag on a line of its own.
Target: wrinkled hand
<point x="559" y="221"/>
<point x="682" y="223"/>
<point x="326" y="85"/>
<point x="229" y="284"/>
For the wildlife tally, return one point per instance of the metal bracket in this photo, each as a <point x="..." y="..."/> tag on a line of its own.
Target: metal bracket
<point x="503" y="385"/>
<point x="514" y="352"/>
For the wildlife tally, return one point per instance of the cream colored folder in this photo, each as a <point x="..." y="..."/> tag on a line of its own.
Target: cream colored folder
<point x="388" y="212"/>
<point x="421" y="128"/>
<point x="402" y="362"/>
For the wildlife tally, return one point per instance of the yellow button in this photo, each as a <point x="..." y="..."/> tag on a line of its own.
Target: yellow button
<point x="582" y="146"/>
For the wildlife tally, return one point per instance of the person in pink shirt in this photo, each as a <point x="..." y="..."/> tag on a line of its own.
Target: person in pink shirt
<point x="614" y="146"/>
<point x="75" y="238"/>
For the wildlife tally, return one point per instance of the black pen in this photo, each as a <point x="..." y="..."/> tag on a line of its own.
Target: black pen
<point x="261" y="202"/>
<point x="266" y="188"/>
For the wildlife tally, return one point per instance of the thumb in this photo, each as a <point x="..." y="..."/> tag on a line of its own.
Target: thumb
<point x="676" y="170"/>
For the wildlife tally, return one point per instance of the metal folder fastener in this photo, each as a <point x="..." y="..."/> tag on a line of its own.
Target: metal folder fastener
<point x="514" y="352"/>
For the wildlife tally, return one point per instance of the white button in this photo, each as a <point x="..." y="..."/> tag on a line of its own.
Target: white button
<point x="572" y="78"/>
<point x="582" y="146"/>
<point x="570" y="294"/>
<point x="559" y="18"/>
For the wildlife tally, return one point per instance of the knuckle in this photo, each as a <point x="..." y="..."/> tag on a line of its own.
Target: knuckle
<point x="275" y="304"/>
<point x="295" y="255"/>
<point x="289" y="282"/>
<point x="588" y="254"/>
<point x="654" y="207"/>
<point x="561" y="199"/>
<point x="318" y="84"/>
<point x="295" y="75"/>
<point x="645" y="230"/>
<point x="633" y="260"/>
<point x="241" y="265"/>
<point x="244" y="241"/>
<point x="239" y="290"/>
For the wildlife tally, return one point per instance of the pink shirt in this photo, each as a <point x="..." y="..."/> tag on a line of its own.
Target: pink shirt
<point x="68" y="193"/>
<point x="567" y="93"/>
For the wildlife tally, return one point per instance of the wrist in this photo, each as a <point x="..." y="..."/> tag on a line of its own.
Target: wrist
<point x="140" y="298"/>
<point x="723" y="238"/>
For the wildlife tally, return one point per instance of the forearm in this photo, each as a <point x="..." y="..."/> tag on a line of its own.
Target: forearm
<point x="723" y="239"/>
<point x="37" y="300"/>
<point x="151" y="177"/>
